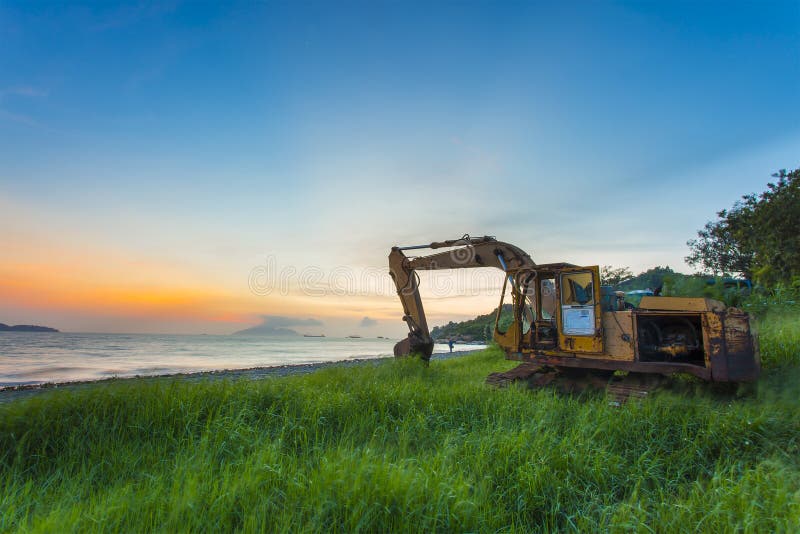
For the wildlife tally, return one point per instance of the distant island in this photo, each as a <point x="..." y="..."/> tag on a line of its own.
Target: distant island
<point x="266" y="330"/>
<point x="25" y="328"/>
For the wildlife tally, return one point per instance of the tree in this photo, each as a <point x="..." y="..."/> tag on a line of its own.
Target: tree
<point x="756" y="238"/>
<point x="611" y="276"/>
<point x="723" y="246"/>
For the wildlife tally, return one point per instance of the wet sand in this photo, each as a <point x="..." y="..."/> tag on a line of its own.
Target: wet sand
<point x="12" y="393"/>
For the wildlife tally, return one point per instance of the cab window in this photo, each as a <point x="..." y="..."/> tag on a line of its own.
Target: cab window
<point x="577" y="289"/>
<point x="547" y="294"/>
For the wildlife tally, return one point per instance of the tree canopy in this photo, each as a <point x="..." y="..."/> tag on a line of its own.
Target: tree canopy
<point x="614" y="276"/>
<point x="757" y="238"/>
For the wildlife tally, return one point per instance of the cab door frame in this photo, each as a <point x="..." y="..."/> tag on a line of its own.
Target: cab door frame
<point x="509" y="339"/>
<point x="591" y="343"/>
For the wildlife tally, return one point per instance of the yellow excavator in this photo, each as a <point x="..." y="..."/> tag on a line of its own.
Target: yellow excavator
<point x="564" y="320"/>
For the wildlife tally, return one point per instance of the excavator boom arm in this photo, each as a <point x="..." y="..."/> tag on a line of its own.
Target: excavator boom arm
<point x="465" y="253"/>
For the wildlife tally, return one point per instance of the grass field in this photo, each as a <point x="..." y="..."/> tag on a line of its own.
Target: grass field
<point x="401" y="446"/>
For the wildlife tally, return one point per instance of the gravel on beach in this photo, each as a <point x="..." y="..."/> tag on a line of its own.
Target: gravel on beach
<point x="12" y="393"/>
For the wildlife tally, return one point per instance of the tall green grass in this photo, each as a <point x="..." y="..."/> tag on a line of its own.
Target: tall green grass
<point x="401" y="446"/>
<point x="778" y="334"/>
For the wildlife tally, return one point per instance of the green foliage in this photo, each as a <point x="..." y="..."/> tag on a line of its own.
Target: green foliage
<point x="682" y="285"/>
<point x="401" y="446"/>
<point x="781" y="299"/>
<point x="614" y="276"/>
<point x="757" y="237"/>
<point x="777" y="300"/>
<point x="650" y="279"/>
<point x="779" y="338"/>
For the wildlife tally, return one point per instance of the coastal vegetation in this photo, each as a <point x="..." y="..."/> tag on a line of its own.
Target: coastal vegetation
<point x="398" y="445"/>
<point x="481" y="328"/>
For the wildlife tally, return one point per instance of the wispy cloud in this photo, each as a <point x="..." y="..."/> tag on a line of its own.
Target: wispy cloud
<point x="20" y="91"/>
<point x="23" y="90"/>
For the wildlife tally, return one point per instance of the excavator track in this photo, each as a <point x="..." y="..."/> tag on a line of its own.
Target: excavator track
<point x="521" y="372"/>
<point x="536" y="375"/>
<point x="620" y="389"/>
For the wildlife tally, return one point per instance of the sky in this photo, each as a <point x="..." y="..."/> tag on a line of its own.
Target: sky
<point x="192" y="167"/>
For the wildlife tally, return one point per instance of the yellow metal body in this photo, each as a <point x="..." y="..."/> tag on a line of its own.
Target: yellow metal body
<point x="560" y="318"/>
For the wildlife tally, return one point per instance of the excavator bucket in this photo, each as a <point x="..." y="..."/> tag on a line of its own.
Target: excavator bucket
<point x="407" y="347"/>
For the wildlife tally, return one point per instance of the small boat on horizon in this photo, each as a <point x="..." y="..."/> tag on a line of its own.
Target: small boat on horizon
<point x="313" y="335"/>
<point x="353" y="337"/>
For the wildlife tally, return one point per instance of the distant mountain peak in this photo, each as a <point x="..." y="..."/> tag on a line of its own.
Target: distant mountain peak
<point x="266" y="330"/>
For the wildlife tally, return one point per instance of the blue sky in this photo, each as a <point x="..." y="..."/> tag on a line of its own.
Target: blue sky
<point x="200" y="138"/>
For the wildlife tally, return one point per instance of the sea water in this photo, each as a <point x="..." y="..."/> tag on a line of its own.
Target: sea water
<point x="37" y="358"/>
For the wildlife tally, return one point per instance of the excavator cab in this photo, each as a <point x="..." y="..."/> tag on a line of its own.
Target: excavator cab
<point x="554" y="307"/>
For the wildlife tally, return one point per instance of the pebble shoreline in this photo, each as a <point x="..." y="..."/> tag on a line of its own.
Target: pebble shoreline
<point x="12" y="393"/>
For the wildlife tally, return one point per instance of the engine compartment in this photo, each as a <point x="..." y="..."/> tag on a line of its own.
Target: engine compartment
<point x="674" y="338"/>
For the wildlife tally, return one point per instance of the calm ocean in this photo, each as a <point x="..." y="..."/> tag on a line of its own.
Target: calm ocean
<point x="37" y="358"/>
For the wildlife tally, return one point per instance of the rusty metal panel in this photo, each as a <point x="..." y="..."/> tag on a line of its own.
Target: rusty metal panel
<point x="742" y="357"/>
<point x="618" y="335"/>
<point x="730" y="349"/>
<point x="714" y="344"/>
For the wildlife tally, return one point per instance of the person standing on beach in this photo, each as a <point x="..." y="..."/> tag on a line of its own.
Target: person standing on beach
<point x="450" y="344"/>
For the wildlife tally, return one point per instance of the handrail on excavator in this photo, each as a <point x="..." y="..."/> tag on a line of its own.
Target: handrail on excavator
<point x="464" y="240"/>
